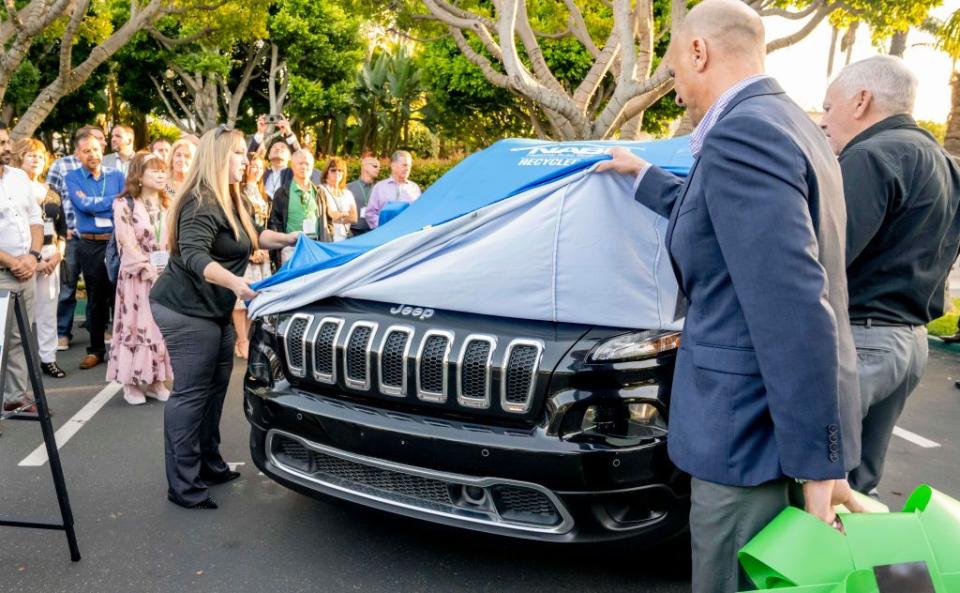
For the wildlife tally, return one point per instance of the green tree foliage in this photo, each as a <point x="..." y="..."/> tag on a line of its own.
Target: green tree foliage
<point x="388" y="99"/>
<point x="321" y="49"/>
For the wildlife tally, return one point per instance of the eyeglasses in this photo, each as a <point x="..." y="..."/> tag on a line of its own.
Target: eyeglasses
<point x="335" y="170"/>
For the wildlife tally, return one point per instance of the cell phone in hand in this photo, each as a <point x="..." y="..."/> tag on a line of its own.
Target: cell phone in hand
<point x="274" y="118"/>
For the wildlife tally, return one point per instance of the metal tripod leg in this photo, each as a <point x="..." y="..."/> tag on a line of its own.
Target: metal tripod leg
<point x="30" y="350"/>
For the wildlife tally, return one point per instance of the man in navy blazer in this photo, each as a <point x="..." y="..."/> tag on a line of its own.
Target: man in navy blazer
<point x="765" y="391"/>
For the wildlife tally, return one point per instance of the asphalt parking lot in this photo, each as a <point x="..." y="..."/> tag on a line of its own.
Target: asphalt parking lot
<point x="266" y="538"/>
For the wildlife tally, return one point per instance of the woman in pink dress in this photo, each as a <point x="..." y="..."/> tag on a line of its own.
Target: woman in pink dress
<point x="138" y="356"/>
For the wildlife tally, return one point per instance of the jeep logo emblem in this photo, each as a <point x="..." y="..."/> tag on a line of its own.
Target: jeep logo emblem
<point x="415" y="312"/>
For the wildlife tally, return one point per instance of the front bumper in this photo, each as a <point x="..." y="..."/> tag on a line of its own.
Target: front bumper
<point x="516" y="482"/>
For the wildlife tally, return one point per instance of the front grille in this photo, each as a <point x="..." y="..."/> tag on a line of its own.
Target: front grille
<point x="393" y="361"/>
<point x="507" y="505"/>
<point x="294" y="344"/>
<point x="516" y="503"/>
<point x="355" y="476"/>
<point x="324" y="350"/>
<point x="519" y="371"/>
<point x="357" y="373"/>
<point x="474" y="378"/>
<point x="432" y="367"/>
<point x="324" y="347"/>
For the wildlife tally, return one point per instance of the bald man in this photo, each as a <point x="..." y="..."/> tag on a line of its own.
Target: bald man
<point x="765" y="391"/>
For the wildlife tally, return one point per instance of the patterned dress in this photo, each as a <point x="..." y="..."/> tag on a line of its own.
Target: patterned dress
<point x="138" y="355"/>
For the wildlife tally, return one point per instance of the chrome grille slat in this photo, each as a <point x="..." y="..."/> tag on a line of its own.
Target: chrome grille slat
<point x="356" y="357"/>
<point x="474" y="377"/>
<point x="433" y="360"/>
<point x="394" y="351"/>
<point x="521" y="363"/>
<point x="295" y="343"/>
<point x="324" y="341"/>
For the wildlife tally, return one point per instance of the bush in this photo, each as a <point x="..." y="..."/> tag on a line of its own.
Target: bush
<point x="946" y="325"/>
<point x="425" y="171"/>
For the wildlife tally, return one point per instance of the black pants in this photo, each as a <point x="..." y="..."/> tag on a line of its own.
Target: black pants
<point x="201" y="353"/>
<point x="100" y="291"/>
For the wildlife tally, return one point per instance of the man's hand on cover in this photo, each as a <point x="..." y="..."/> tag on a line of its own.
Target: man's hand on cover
<point x="820" y="496"/>
<point x="622" y="161"/>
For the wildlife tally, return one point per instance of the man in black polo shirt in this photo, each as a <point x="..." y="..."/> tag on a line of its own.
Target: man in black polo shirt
<point x="903" y="231"/>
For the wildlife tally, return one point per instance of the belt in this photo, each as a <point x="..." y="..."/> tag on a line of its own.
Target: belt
<point x="870" y="322"/>
<point x="96" y="236"/>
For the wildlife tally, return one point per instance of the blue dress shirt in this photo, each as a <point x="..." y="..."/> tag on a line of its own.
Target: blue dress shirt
<point x="92" y="198"/>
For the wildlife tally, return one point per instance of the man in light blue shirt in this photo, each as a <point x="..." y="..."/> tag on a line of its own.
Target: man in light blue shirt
<point x="91" y="190"/>
<point x="396" y="188"/>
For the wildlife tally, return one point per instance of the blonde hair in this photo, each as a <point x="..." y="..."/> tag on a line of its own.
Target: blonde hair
<point x="20" y="150"/>
<point x="184" y="141"/>
<point x="209" y="178"/>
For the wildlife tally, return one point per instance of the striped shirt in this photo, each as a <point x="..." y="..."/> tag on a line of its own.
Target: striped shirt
<point x="716" y="110"/>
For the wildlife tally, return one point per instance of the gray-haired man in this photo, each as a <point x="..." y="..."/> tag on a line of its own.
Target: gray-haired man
<point x="396" y="188"/>
<point x="903" y="231"/>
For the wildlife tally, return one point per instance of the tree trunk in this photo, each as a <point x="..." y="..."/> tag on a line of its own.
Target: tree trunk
<point x="898" y="43"/>
<point x="70" y="78"/>
<point x="834" y="37"/>
<point x="849" y="40"/>
<point x="633" y="128"/>
<point x="952" y="138"/>
<point x="685" y="127"/>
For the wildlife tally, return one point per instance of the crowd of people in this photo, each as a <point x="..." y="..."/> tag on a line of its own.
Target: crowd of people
<point x="851" y="228"/>
<point x="168" y="241"/>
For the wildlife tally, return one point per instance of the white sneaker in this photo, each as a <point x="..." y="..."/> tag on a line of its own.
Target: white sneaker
<point x="133" y="396"/>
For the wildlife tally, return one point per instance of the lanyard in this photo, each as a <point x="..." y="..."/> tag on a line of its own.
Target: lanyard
<point x="158" y="224"/>
<point x="103" y="185"/>
<point x="365" y="191"/>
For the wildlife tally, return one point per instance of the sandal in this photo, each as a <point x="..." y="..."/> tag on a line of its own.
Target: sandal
<point x="51" y="369"/>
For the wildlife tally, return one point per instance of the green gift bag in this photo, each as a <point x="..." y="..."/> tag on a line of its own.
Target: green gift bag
<point x="797" y="553"/>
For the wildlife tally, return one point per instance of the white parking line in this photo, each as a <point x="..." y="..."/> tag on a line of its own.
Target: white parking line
<point x="71" y="426"/>
<point x="915" y="438"/>
<point x="233" y="466"/>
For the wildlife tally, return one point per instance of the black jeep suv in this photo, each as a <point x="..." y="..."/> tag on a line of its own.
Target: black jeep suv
<point x="547" y="431"/>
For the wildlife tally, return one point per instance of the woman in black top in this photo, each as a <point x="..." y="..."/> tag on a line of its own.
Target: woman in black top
<point x="211" y="237"/>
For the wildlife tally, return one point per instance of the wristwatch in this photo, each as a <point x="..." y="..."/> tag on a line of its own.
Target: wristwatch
<point x="36" y="254"/>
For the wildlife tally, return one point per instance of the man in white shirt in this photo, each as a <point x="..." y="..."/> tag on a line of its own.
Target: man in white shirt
<point x="121" y="140"/>
<point x="20" y="243"/>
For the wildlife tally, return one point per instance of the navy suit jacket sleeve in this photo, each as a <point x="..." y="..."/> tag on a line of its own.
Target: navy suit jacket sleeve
<point x="659" y="190"/>
<point x="758" y="203"/>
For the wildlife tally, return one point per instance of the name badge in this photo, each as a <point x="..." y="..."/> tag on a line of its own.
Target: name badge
<point x="48" y="230"/>
<point x="310" y="226"/>
<point x="102" y="223"/>
<point x="363" y="212"/>
<point x="160" y="258"/>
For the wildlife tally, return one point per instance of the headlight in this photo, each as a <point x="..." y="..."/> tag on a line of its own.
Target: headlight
<point x="635" y="346"/>
<point x="264" y="367"/>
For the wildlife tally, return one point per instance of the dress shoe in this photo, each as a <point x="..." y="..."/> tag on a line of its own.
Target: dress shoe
<point x="52" y="369"/>
<point x="209" y="503"/>
<point x="954" y="339"/>
<point x="223" y="478"/>
<point x="90" y="360"/>
<point x="24" y="406"/>
<point x="63" y="343"/>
